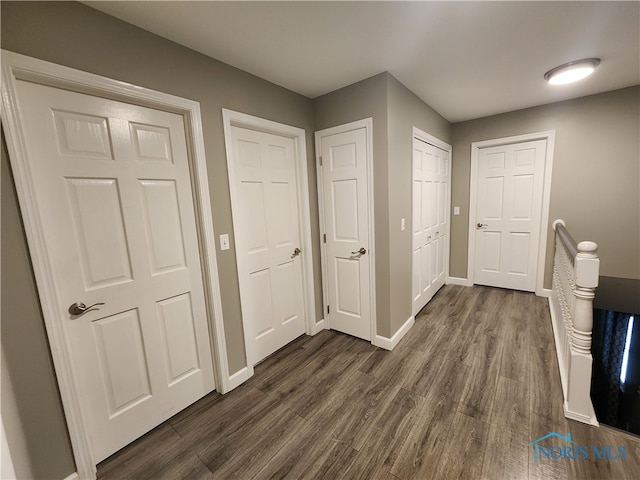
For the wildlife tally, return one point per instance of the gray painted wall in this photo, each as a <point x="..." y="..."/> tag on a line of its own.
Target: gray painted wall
<point x="596" y="168"/>
<point x="75" y="35"/>
<point x="599" y="134"/>
<point x="72" y="34"/>
<point x="40" y="429"/>
<point x="395" y="111"/>
<point x="405" y="111"/>
<point x="362" y="100"/>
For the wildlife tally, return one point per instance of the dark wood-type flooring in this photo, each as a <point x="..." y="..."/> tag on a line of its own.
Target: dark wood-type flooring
<point x="461" y="396"/>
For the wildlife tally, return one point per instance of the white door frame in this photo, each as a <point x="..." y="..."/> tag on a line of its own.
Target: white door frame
<point x="367" y="124"/>
<point x="19" y="67"/>
<point x="549" y="136"/>
<point x="237" y="119"/>
<point x="426" y="137"/>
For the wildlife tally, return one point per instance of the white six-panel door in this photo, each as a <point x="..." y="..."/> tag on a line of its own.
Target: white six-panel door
<point x="114" y="197"/>
<point x="267" y="239"/>
<point x="346" y="226"/>
<point x="510" y="181"/>
<point x="431" y="166"/>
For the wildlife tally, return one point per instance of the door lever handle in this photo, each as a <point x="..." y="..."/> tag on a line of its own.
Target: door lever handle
<point x="480" y="225"/>
<point x="79" y="308"/>
<point x="296" y="252"/>
<point x="362" y="251"/>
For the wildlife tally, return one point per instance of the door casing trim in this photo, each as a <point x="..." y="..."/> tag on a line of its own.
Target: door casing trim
<point x="367" y="124"/>
<point x="298" y="135"/>
<point x="17" y="67"/>
<point x="549" y="136"/>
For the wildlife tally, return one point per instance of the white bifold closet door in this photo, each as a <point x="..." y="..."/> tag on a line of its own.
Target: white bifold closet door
<point x="430" y="220"/>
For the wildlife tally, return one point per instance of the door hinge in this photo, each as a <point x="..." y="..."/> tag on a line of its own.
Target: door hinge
<point x="324" y="237"/>
<point x="320" y="160"/>
<point x="328" y="309"/>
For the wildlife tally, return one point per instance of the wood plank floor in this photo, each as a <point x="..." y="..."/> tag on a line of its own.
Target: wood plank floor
<point x="472" y="383"/>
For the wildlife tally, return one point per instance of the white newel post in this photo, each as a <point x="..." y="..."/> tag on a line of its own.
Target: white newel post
<point x="586" y="266"/>
<point x="575" y="277"/>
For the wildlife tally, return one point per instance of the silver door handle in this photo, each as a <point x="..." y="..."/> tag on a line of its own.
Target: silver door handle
<point x="480" y="225"/>
<point x="79" y="308"/>
<point x="296" y="252"/>
<point x="362" y="251"/>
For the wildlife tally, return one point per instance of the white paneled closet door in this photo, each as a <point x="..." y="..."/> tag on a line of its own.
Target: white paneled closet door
<point x="346" y="213"/>
<point x="115" y="200"/>
<point x="430" y="229"/>
<point x="509" y="189"/>
<point x="267" y="234"/>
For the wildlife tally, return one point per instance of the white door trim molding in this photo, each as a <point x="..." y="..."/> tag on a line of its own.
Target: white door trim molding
<point x="237" y="119"/>
<point x="19" y="67"/>
<point x="463" y="282"/>
<point x="549" y="136"/>
<point x="422" y="135"/>
<point x="367" y="124"/>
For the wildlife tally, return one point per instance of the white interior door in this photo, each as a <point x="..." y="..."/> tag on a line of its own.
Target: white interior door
<point x="346" y="225"/>
<point x="114" y="198"/>
<point x="430" y="220"/>
<point x="509" y="188"/>
<point x="267" y="238"/>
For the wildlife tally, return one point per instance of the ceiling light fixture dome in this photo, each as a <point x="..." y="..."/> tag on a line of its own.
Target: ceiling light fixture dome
<point x="572" y="71"/>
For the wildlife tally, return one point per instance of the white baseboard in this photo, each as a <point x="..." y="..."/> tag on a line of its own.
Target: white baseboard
<point x="390" y="343"/>
<point x="317" y="327"/>
<point x="556" y="317"/>
<point x="465" y="282"/>
<point x="588" y="419"/>
<point x="544" y="293"/>
<point x="73" y="476"/>
<point x="239" y="378"/>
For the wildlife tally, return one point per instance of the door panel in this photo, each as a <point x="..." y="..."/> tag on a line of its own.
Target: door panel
<point x="151" y="143"/>
<point x="430" y="220"/>
<point x="178" y="335"/>
<point x="162" y="225"/>
<point x="348" y="295"/>
<point x="122" y="361"/>
<point x="509" y="207"/>
<point x="115" y="202"/>
<point x="96" y="213"/>
<point x="346" y="210"/>
<point x="265" y="202"/>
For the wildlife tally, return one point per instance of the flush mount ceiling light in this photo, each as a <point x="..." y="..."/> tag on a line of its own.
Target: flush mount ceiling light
<point x="572" y="71"/>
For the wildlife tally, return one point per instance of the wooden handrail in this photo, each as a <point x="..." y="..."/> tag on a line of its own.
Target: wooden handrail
<point x="566" y="238"/>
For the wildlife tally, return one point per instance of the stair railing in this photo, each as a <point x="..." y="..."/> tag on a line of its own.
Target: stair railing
<point x="575" y="277"/>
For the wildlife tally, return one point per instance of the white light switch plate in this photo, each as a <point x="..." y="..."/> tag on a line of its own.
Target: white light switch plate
<point x="224" y="241"/>
<point x="402" y="225"/>
<point x="456" y="210"/>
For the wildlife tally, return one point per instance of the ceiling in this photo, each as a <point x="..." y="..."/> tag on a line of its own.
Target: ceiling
<point x="465" y="59"/>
